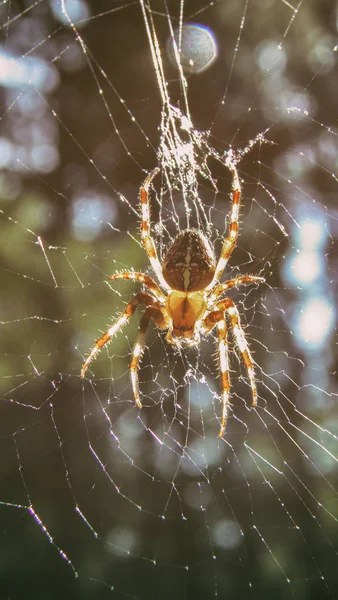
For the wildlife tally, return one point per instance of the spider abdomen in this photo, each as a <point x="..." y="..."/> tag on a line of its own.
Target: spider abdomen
<point x="189" y="265"/>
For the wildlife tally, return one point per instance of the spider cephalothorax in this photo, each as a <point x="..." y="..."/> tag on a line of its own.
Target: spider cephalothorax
<point x="191" y="300"/>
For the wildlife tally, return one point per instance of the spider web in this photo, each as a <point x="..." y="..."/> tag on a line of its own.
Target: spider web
<point x="99" y="499"/>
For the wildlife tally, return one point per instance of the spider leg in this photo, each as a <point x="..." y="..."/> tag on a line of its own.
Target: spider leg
<point x="224" y="364"/>
<point x="140" y="298"/>
<point x="142" y="278"/>
<point x="230" y="307"/>
<point x="226" y="285"/>
<point x="157" y="315"/>
<point x="230" y="241"/>
<point x="223" y="307"/>
<point x="213" y="318"/>
<point x="147" y="240"/>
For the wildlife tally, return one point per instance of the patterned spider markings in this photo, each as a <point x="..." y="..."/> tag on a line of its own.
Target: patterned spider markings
<point x="187" y="302"/>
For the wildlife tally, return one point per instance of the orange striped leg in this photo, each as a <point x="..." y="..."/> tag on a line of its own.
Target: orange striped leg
<point x="147" y="240"/>
<point x="140" y="298"/>
<point x="222" y="307"/>
<point x="142" y="278"/>
<point x="224" y="364"/>
<point x="230" y="307"/>
<point x="226" y="285"/>
<point x="156" y="314"/>
<point x="213" y="318"/>
<point x="230" y="241"/>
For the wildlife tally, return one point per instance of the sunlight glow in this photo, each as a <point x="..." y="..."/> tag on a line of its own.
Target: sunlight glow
<point x="270" y="58"/>
<point x="305" y="267"/>
<point x="77" y="10"/>
<point x="226" y="534"/>
<point x="315" y="323"/>
<point x="27" y="71"/>
<point x="312" y="233"/>
<point x="197" y="47"/>
<point x="89" y="212"/>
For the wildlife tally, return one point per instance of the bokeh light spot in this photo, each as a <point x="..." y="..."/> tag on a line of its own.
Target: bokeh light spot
<point x="196" y="46"/>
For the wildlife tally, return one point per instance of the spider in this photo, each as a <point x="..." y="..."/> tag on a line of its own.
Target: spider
<point x="188" y="302"/>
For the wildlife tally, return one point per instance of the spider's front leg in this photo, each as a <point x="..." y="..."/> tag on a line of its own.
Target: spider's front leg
<point x="217" y="316"/>
<point x="140" y="298"/>
<point x="213" y="318"/>
<point x="224" y="364"/>
<point x="160" y="319"/>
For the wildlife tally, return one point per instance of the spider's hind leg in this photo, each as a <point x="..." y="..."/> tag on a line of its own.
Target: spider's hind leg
<point x="231" y="239"/>
<point x="146" y="238"/>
